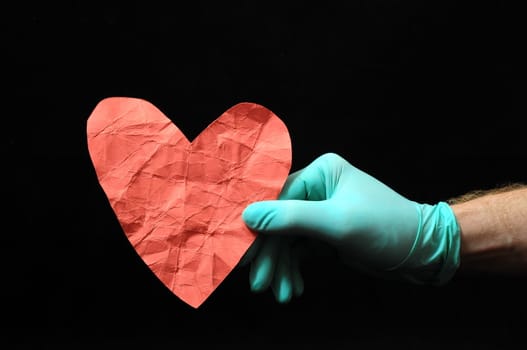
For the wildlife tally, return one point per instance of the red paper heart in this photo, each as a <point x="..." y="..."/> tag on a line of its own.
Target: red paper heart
<point x="180" y="202"/>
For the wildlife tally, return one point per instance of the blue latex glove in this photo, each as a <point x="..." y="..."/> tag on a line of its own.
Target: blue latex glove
<point x="371" y="227"/>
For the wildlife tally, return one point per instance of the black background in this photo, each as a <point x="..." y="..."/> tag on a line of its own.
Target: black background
<point x="426" y="96"/>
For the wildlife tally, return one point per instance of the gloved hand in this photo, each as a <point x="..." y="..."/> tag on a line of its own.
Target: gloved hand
<point x="371" y="227"/>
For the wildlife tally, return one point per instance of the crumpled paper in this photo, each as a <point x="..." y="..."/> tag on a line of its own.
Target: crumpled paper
<point x="180" y="202"/>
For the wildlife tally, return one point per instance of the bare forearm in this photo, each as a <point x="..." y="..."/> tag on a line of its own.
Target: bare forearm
<point x="494" y="232"/>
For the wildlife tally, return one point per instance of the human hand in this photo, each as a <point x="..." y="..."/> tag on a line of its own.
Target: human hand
<point x="371" y="227"/>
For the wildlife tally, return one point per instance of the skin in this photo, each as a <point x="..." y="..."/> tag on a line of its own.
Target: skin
<point x="493" y="230"/>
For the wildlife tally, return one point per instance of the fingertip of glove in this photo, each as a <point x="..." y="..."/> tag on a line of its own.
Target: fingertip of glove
<point x="285" y="294"/>
<point x="259" y="216"/>
<point x="257" y="286"/>
<point x="259" y="277"/>
<point x="249" y="215"/>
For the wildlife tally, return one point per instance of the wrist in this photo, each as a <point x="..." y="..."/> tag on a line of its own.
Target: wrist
<point x="492" y="232"/>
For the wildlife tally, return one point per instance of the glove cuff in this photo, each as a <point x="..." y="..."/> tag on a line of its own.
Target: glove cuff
<point x="435" y="254"/>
